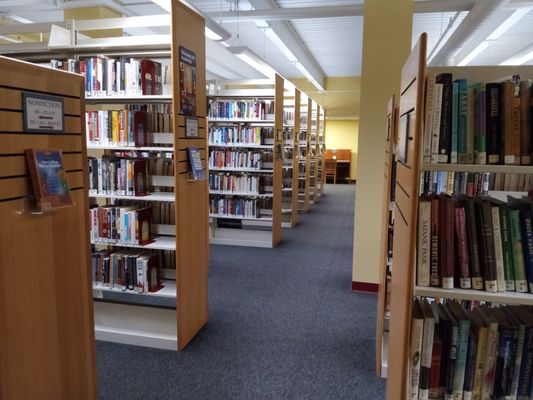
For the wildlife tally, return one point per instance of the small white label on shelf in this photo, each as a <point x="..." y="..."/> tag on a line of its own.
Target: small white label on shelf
<point x="98" y="294"/>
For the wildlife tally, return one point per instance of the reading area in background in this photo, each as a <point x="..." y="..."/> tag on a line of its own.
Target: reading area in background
<point x="48" y="178"/>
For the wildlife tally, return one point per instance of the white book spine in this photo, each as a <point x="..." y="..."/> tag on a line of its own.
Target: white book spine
<point x="428" y="123"/>
<point x="437" y="105"/>
<point x="498" y="251"/>
<point x="414" y="363"/>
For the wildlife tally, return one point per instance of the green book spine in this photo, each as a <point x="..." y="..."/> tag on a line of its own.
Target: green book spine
<point x="518" y="255"/>
<point x="507" y="247"/>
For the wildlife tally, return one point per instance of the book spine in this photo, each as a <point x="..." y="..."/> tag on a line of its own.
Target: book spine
<point x="434" y="373"/>
<point x="446" y="248"/>
<point x="506" y="122"/>
<point x="451" y="364"/>
<point x="493" y="134"/>
<point x="470" y="124"/>
<point x="428" y="121"/>
<point x="520" y="338"/>
<point x="470" y="368"/>
<point x="425" y="362"/>
<point x="490" y="362"/>
<point x="507" y="247"/>
<point x="525" y="122"/>
<point x="504" y="363"/>
<point x="518" y="252"/>
<point x="486" y="234"/>
<point x="454" y="142"/>
<point x="473" y="241"/>
<point x="480" y="126"/>
<point x="437" y="113"/>
<point x="446" y="117"/>
<point x="480" y="362"/>
<point x="527" y="244"/>
<point x="460" y="363"/>
<point x="462" y="248"/>
<point x="424" y="242"/>
<point x="526" y="369"/>
<point x="498" y="250"/>
<point x="435" y="267"/>
<point x="462" y="111"/>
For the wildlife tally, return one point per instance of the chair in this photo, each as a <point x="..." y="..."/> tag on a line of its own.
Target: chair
<point x="330" y="169"/>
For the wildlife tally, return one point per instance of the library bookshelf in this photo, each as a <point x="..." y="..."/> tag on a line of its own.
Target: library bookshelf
<point x="245" y="164"/>
<point x="291" y="132"/>
<point x="321" y="150"/>
<point x="383" y="307"/>
<point x="313" y="153"/>
<point x="304" y="157"/>
<point x="48" y="343"/>
<point x="416" y="80"/>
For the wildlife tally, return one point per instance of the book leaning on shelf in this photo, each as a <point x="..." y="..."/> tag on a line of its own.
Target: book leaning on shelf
<point x="475" y="243"/>
<point x="470" y="351"/>
<point x="478" y="122"/>
<point x="48" y="178"/>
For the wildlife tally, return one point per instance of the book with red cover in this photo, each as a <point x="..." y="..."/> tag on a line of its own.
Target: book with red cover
<point x="48" y="177"/>
<point x="140" y="128"/>
<point x="140" y="181"/>
<point x="147" y="77"/>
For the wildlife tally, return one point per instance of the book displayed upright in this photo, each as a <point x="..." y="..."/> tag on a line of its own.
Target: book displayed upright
<point x="48" y="178"/>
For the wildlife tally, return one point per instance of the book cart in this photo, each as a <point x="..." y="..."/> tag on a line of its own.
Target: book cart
<point x="406" y="349"/>
<point x="304" y="158"/>
<point x="245" y="165"/>
<point x="291" y="132"/>
<point x="385" y="273"/>
<point x="47" y="346"/>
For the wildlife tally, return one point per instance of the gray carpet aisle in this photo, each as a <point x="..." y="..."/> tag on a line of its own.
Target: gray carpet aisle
<point x="283" y="324"/>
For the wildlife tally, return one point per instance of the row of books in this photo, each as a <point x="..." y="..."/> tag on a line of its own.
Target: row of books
<point x="163" y="213"/>
<point x="105" y="76"/>
<point x="224" y="206"/>
<point x="475" y="243"/>
<point x="126" y="270"/>
<point x="235" y="159"/>
<point x="240" y="134"/>
<point x="462" y="353"/>
<point x="482" y="123"/>
<point x="244" y="109"/>
<point x="128" y="225"/>
<point x="118" y="176"/>
<point x="125" y="127"/>
<point x="238" y="183"/>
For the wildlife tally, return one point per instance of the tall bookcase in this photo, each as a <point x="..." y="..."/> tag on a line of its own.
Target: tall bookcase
<point x="321" y="150"/>
<point x="404" y="284"/>
<point x="291" y="132"/>
<point x="47" y="346"/>
<point x="385" y="272"/>
<point x="246" y="145"/>
<point x="313" y="153"/>
<point x="304" y="158"/>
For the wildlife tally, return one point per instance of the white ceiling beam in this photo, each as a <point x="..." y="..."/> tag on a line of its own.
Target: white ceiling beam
<point x="286" y="33"/>
<point x="469" y="27"/>
<point x="217" y="55"/>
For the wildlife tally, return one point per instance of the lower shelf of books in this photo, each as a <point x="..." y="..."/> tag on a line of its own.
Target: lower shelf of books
<point x="477" y="295"/>
<point x="139" y="325"/>
<point x="168" y="290"/>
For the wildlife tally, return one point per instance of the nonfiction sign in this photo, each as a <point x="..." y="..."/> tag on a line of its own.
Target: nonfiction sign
<point x="42" y="113"/>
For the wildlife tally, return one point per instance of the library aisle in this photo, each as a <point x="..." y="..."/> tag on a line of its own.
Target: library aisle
<point x="283" y="324"/>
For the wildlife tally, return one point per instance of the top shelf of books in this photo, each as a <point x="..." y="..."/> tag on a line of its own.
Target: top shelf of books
<point x="122" y="99"/>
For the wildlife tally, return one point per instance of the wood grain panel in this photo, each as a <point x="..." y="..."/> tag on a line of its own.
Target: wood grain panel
<point x="11" y="99"/>
<point x="192" y="237"/>
<point x="19" y="187"/>
<point x="16" y="165"/>
<point x="12" y="122"/>
<point x="404" y="234"/>
<point x="13" y="143"/>
<point x="26" y="76"/>
<point x="278" y="172"/>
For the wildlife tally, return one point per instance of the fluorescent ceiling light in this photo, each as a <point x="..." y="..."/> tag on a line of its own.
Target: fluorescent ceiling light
<point x="213" y="30"/>
<point x="252" y="59"/>
<point x="508" y="23"/>
<point x="482" y="46"/>
<point x="20" y="19"/>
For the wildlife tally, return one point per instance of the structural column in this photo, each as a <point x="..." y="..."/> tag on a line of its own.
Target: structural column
<point x="386" y="44"/>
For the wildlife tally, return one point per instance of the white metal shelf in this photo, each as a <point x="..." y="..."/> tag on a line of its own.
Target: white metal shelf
<point x="159" y="243"/>
<point x="239" y="217"/>
<point x="243" y="145"/>
<point x="267" y="171"/>
<point x="223" y="192"/>
<point x="162" y="196"/>
<point x="467" y="294"/>
<point x="139" y="98"/>
<point x="128" y="148"/>
<point x="512" y="169"/>
<point x="168" y="290"/>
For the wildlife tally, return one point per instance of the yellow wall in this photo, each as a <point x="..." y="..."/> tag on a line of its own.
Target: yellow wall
<point x="343" y="134"/>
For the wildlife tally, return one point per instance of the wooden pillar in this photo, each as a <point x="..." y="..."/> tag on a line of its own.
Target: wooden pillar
<point x="386" y="44"/>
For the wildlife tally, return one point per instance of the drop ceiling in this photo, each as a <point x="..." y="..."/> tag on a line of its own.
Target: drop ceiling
<point x="328" y="46"/>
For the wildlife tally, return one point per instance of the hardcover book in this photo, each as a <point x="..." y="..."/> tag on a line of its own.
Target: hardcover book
<point x="195" y="161"/>
<point x="48" y="178"/>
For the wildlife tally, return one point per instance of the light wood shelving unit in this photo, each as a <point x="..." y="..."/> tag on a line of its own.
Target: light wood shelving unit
<point x="48" y="343"/>
<point x="414" y="75"/>
<point x="383" y="318"/>
<point x="289" y="209"/>
<point x="313" y="153"/>
<point x="263" y="231"/>
<point x="304" y="159"/>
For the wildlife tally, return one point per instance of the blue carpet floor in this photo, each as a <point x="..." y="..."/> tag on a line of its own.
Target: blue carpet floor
<point x="283" y="324"/>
